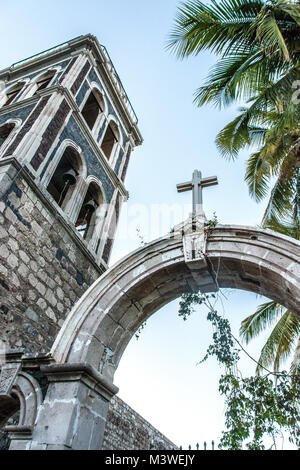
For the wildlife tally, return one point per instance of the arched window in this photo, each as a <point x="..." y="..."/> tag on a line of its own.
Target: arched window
<point x="110" y="139"/>
<point x="44" y="80"/>
<point x="5" y="130"/>
<point x="12" y="93"/>
<point x="93" y="107"/>
<point x="87" y="218"/>
<point x="63" y="181"/>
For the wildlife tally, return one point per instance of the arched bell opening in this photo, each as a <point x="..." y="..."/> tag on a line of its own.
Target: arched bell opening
<point x="93" y="109"/>
<point x="5" y="131"/>
<point x="43" y="81"/>
<point x="65" y="177"/>
<point x="11" y="94"/>
<point x="110" y="140"/>
<point x="88" y="218"/>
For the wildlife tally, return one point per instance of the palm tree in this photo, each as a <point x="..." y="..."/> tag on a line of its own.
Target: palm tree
<point x="277" y="136"/>
<point x="285" y="336"/>
<point x="259" y="45"/>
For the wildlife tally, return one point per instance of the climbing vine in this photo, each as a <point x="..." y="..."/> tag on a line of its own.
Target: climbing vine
<point x="140" y="329"/>
<point x="211" y="223"/>
<point x="256" y="407"/>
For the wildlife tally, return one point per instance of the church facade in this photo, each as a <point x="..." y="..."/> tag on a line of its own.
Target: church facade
<point x="67" y="131"/>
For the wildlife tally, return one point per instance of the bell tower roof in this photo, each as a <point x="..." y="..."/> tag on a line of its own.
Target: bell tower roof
<point x="103" y="63"/>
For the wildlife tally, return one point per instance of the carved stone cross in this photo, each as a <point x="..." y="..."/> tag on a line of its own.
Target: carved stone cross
<point x="196" y="186"/>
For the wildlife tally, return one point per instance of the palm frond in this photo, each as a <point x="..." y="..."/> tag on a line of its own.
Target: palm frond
<point x="282" y="197"/>
<point x="288" y="226"/>
<point x="258" y="174"/>
<point x="264" y="316"/>
<point x="234" y="137"/>
<point x="280" y="342"/>
<point x="219" y="26"/>
<point x="255" y="39"/>
<point x="269" y="33"/>
<point x="236" y="77"/>
<point x="295" y="365"/>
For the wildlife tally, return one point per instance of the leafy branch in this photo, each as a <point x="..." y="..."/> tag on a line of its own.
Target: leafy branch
<point x="257" y="406"/>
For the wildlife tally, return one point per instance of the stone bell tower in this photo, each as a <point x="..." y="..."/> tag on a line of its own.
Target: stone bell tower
<point x="67" y="130"/>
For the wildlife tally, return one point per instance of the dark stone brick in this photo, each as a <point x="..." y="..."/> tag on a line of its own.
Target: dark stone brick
<point x="107" y="250"/>
<point x="76" y="85"/>
<point x="4" y="441"/>
<point x="82" y="92"/>
<point x="67" y="264"/>
<point x="59" y="254"/>
<point x="3" y="284"/>
<point x="23" y="113"/>
<point x="4" y="309"/>
<point x="79" y="278"/>
<point x="17" y="213"/>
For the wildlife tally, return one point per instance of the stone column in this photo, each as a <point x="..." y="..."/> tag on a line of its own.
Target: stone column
<point x="73" y="414"/>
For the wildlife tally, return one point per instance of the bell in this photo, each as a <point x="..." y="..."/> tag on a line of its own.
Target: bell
<point x="70" y="177"/>
<point x="91" y="205"/>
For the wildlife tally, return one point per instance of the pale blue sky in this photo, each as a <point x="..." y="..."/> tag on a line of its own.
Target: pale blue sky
<point x="158" y="374"/>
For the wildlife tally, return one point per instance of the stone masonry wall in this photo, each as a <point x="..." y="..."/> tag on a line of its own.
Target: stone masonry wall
<point x="42" y="271"/>
<point x="42" y="274"/>
<point x="127" y="430"/>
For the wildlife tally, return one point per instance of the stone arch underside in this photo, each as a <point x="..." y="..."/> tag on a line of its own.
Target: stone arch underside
<point x="104" y="320"/>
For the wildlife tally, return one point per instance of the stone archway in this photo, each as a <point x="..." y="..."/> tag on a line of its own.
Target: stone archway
<point x="102" y="323"/>
<point x="93" y="338"/>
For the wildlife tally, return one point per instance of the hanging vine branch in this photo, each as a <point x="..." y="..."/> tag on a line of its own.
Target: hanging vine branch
<point x="256" y="407"/>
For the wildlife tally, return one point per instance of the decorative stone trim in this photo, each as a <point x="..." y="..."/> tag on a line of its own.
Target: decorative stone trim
<point x="22" y="388"/>
<point x="80" y="371"/>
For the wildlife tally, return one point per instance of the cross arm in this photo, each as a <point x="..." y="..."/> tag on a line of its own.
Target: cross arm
<point x="184" y="187"/>
<point x="211" y="181"/>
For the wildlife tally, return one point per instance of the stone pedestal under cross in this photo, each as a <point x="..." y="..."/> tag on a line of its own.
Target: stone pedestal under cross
<point x="196" y="186"/>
